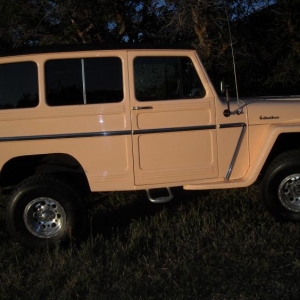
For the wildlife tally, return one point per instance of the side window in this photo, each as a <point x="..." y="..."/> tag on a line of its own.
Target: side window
<point x="18" y="85"/>
<point x="104" y="80"/>
<point x="64" y="82"/>
<point x="84" y="81"/>
<point x="166" y="78"/>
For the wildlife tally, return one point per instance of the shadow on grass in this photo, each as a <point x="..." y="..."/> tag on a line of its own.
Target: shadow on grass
<point x="104" y="218"/>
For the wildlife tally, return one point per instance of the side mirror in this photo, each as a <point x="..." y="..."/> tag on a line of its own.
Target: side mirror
<point x="223" y="87"/>
<point x="225" y="90"/>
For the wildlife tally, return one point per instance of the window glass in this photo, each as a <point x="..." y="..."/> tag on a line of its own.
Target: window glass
<point x="166" y="78"/>
<point x="104" y="82"/>
<point x="18" y="85"/>
<point x="64" y="82"/>
<point x="84" y="81"/>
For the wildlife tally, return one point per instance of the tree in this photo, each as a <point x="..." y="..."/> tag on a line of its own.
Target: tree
<point x="264" y="33"/>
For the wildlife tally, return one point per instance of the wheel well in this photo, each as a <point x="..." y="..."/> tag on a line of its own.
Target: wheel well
<point x="62" y="165"/>
<point x="283" y="143"/>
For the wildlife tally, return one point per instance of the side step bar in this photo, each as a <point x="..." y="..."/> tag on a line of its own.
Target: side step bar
<point x="160" y="199"/>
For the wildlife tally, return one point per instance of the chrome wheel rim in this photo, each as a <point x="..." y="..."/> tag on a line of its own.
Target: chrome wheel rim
<point x="289" y="192"/>
<point x="44" y="217"/>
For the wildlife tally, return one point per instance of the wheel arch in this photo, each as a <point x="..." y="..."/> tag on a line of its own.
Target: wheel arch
<point x="64" y="165"/>
<point x="283" y="143"/>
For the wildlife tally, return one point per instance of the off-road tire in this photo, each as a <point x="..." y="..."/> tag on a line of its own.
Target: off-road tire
<point x="44" y="211"/>
<point x="280" y="187"/>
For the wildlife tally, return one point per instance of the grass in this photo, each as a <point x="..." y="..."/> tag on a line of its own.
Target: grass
<point x="217" y="245"/>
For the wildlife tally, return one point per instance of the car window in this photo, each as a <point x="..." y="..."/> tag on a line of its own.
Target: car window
<point x="84" y="81"/>
<point x="166" y="78"/>
<point x="18" y="85"/>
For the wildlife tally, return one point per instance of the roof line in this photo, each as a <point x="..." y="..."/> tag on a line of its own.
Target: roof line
<point x="88" y="47"/>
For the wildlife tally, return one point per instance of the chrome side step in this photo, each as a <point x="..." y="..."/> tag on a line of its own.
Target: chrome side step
<point x="160" y="199"/>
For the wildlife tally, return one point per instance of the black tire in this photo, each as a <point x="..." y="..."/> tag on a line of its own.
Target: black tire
<point x="280" y="188"/>
<point x="44" y="211"/>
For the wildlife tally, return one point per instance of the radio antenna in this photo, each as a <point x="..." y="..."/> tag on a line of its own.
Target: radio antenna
<point x="233" y="59"/>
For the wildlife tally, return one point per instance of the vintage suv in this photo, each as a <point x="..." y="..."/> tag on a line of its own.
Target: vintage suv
<point x="83" y="119"/>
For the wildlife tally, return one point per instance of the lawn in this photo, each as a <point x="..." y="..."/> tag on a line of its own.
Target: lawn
<point x="216" y="245"/>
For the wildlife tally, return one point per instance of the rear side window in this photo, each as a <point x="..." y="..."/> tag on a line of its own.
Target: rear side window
<point x="166" y="78"/>
<point x="18" y="85"/>
<point x="84" y="81"/>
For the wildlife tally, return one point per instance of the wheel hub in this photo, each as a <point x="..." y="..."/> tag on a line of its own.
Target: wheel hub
<point x="44" y="217"/>
<point x="289" y="192"/>
<point x="48" y="215"/>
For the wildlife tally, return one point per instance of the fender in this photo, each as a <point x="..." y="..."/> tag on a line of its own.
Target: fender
<point x="262" y="139"/>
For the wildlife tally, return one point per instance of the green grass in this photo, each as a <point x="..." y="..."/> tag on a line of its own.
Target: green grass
<point x="217" y="245"/>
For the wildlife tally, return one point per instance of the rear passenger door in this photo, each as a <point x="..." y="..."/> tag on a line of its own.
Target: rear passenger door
<point x="87" y="102"/>
<point x="173" y="119"/>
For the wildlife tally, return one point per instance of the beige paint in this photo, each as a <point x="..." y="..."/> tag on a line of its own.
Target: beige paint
<point x="174" y="157"/>
<point x="195" y="159"/>
<point x="267" y="119"/>
<point x="107" y="161"/>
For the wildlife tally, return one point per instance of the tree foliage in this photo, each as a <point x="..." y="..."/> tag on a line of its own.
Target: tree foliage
<point x="264" y="33"/>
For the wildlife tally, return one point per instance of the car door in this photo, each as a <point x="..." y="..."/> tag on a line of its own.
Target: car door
<point x="173" y="118"/>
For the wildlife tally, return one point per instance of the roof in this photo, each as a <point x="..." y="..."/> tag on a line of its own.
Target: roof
<point x="87" y="47"/>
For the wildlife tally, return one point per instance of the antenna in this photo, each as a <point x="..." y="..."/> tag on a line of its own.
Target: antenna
<point x="238" y="111"/>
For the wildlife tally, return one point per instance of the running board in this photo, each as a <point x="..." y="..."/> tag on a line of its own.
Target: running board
<point x="161" y="199"/>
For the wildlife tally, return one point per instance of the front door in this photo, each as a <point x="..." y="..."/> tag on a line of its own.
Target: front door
<point x="173" y="119"/>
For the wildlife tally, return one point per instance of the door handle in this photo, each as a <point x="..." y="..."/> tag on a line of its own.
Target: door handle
<point x="141" y="107"/>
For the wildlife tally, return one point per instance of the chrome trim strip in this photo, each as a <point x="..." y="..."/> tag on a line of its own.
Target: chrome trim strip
<point x="63" y="136"/>
<point x="175" y="129"/>
<point x="238" y="146"/>
<point x="83" y="81"/>
<point x="104" y="133"/>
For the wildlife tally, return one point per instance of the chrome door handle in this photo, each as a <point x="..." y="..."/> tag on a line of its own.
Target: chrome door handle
<point x="141" y="107"/>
